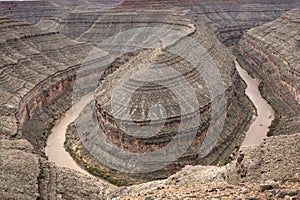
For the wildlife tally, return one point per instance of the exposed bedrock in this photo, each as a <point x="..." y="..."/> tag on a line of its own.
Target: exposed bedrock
<point x="272" y="53"/>
<point x="86" y="3"/>
<point x="237" y="113"/>
<point x="25" y="175"/>
<point x="228" y="19"/>
<point x="96" y="26"/>
<point x="35" y="11"/>
<point x="30" y="11"/>
<point x="267" y="171"/>
<point x="38" y="67"/>
<point x="37" y="70"/>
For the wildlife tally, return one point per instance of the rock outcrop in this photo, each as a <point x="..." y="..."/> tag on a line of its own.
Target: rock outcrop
<point x="30" y="11"/>
<point x="227" y="18"/>
<point x="272" y="172"/>
<point x="37" y="66"/>
<point x="271" y="53"/>
<point x="38" y="69"/>
<point x="25" y="175"/>
<point x="237" y="110"/>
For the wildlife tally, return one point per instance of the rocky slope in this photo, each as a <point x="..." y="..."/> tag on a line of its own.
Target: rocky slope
<point x="269" y="171"/>
<point x="36" y="69"/>
<point x="35" y="11"/>
<point x="30" y="11"/>
<point x="271" y="53"/>
<point x="85" y="3"/>
<point x="236" y="105"/>
<point x="227" y="18"/>
<point x="25" y="175"/>
<point x="37" y="66"/>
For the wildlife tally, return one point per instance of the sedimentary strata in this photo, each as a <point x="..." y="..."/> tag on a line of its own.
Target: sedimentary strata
<point x="37" y="68"/>
<point x="30" y="11"/>
<point x="271" y="172"/>
<point x="25" y="175"/>
<point x="271" y="53"/>
<point x="234" y="126"/>
<point x="228" y="19"/>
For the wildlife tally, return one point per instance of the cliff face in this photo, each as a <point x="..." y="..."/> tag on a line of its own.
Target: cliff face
<point x="271" y="52"/>
<point x="36" y="68"/>
<point x="267" y="171"/>
<point x="227" y="18"/>
<point x="30" y="11"/>
<point x="237" y="109"/>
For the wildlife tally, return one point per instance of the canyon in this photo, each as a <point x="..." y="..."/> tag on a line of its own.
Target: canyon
<point x="272" y="55"/>
<point x="53" y="55"/>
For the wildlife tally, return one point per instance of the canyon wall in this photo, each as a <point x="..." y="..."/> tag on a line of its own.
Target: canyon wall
<point x="111" y="23"/>
<point x="271" y="53"/>
<point x="37" y="66"/>
<point x="227" y="18"/>
<point x="37" y="69"/>
<point x="30" y="11"/>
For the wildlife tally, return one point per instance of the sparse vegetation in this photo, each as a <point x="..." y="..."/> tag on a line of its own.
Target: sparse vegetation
<point x="274" y="124"/>
<point x="277" y="115"/>
<point x="96" y="171"/>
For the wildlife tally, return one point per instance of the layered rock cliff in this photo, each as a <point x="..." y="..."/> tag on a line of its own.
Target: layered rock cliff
<point x="269" y="171"/>
<point x="271" y="53"/>
<point x="30" y="11"/>
<point x="107" y="32"/>
<point x="37" y="68"/>
<point x="228" y="19"/>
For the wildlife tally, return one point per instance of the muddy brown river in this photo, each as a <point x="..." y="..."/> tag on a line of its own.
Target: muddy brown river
<point x="265" y="113"/>
<point x="55" y="150"/>
<point x="56" y="153"/>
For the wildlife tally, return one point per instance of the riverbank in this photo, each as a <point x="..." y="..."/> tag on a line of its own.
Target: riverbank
<point x="265" y="113"/>
<point x="64" y="153"/>
<point x="55" y="150"/>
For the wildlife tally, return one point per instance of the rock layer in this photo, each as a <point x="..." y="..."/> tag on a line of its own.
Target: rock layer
<point x="228" y="19"/>
<point x="30" y="11"/>
<point x="234" y="126"/>
<point x="37" y="67"/>
<point x="271" y="53"/>
<point x="273" y="165"/>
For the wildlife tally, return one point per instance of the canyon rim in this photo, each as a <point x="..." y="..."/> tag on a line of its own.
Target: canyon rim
<point x="163" y="111"/>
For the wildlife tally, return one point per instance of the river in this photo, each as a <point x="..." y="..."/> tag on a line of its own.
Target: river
<point x="56" y="152"/>
<point x="265" y="113"/>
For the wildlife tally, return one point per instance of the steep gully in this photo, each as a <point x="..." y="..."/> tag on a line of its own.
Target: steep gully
<point x="257" y="132"/>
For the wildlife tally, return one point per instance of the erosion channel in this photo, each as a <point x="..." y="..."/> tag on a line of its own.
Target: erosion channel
<point x="56" y="152"/>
